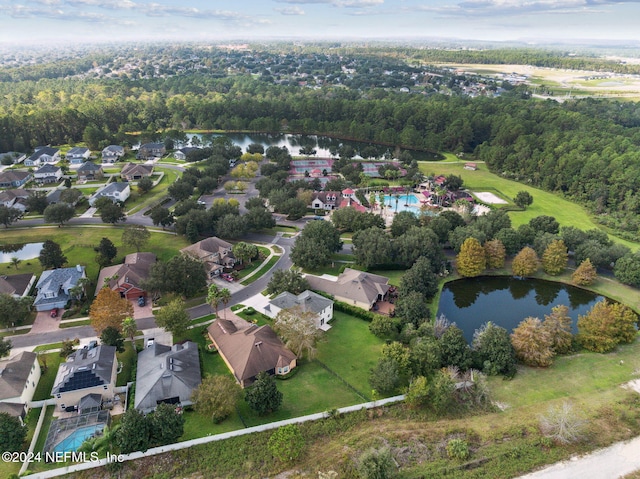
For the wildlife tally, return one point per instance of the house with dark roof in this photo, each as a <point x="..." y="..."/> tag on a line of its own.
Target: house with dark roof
<point x="182" y="153"/>
<point x="14" y="178"/>
<point x="112" y="153"/>
<point x="48" y="173"/>
<point x="325" y="200"/>
<point x="54" y="285"/>
<point x="215" y="253"/>
<point x="307" y="301"/>
<point x="353" y="287"/>
<point x="89" y="171"/>
<point x="16" y="198"/>
<point x="85" y="372"/>
<point x="167" y="374"/>
<point x="149" y="151"/>
<point x="19" y="378"/>
<point x="17" y="285"/>
<point x="42" y="155"/>
<point x="113" y="191"/>
<point x="248" y="349"/>
<point x="127" y="278"/>
<point x="133" y="172"/>
<point x="78" y="155"/>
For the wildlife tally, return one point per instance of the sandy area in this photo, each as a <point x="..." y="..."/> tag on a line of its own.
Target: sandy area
<point x="489" y="198"/>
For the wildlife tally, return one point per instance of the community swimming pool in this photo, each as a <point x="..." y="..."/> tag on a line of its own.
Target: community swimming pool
<point x="405" y="203"/>
<point x="76" y="438"/>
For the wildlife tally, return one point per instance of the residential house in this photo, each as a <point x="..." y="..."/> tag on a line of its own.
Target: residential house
<point x="215" y="253"/>
<point x="89" y="171"/>
<point x="48" y="173"/>
<point x="17" y="285"/>
<point x="471" y="166"/>
<point x="14" y="156"/>
<point x="248" y="349"/>
<point x="353" y="287"/>
<point x="114" y="191"/>
<point x="182" y="153"/>
<point x="167" y="374"/>
<point x="19" y="378"/>
<point x="78" y="155"/>
<point x="127" y="278"/>
<point x="307" y="301"/>
<point x="112" y="153"/>
<point x="132" y="171"/>
<point x="85" y="373"/>
<point x="14" y="178"/>
<point x="15" y="199"/>
<point x="149" y="151"/>
<point x="54" y="285"/>
<point x="326" y="200"/>
<point x="43" y="155"/>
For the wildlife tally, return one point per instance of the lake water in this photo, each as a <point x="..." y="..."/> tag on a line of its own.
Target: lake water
<point x="506" y="301"/>
<point x="20" y="251"/>
<point x="321" y="144"/>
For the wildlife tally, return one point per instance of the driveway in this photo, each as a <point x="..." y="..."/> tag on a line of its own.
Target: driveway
<point x="141" y="311"/>
<point x="44" y="323"/>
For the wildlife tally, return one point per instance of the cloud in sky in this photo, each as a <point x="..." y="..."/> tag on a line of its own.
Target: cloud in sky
<point x="295" y="10"/>
<point x="471" y="19"/>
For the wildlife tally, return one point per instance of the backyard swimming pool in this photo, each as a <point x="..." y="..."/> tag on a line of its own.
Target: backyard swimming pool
<point x="405" y="203"/>
<point x="72" y="442"/>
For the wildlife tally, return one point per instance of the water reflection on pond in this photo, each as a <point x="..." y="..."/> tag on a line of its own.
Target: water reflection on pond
<point x="506" y="301"/>
<point x="20" y="251"/>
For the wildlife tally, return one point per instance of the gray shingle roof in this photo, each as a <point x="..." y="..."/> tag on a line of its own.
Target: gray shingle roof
<point x="46" y="150"/>
<point x="307" y="300"/>
<point x="48" y="168"/>
<point x="166" y="372"/>
<point x="57" y="281"/>
<point x="14" y="374"/>
<point x="86" y="368"/>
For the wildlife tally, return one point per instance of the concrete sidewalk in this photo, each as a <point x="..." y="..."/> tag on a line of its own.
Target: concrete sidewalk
<point x="609" y="463"/>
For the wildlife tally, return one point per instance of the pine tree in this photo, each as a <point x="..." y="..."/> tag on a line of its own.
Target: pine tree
<point x="585" y="274"/>
<point x="525" y="263"/>
<point x="555" y="258"/>
<point x="532" y="343"/>
<point x="495" y="253"/>
<point x="263" y="396"/>
<point x="471" y="260"/>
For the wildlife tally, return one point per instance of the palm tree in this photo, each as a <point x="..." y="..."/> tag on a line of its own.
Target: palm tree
<point x="213" y="297"/>
<point x="15" y="261"/>
<point x="225" y="297"/>
<point x="129" y="327"/>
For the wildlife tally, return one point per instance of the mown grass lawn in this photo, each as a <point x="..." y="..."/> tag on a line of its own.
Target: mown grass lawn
<point x="583" y="376"/>
<point x="351" y="350"/>
<point x="137" y="201"/>
<point x="127" y="358"/>
<point x="544" y="203"/>
<point x="77" y="244"/>
<point x="52" y="361"/>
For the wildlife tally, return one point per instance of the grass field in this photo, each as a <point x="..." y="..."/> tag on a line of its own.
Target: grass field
<point x="544" y="202"/>
<point x="77" y="244"/>
<point x="43" y="390"/>
<point x="137" y="201"/>
<point x="264" y="268"/>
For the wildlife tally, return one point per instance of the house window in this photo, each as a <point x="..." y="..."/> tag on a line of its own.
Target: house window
<point x="283" y="370"/>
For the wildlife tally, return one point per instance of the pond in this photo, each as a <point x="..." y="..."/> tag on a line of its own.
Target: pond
<point x="506" y="301"/>
<point x="20" y="251"/>
<point x="322" y="144"/>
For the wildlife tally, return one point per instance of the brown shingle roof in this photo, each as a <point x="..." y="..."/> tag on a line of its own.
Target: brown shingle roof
<point x="133" y="272"/>
<point x="132" y="169"/>
<point x="15" y="284"/>
<point x="251" y="350"/>
<point x="353" y="284"/>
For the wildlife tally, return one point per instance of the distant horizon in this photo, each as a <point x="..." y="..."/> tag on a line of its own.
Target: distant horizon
<point x="60" y="22"/>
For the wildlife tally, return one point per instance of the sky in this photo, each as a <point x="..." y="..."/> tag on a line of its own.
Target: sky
<point x="78" y="21"/>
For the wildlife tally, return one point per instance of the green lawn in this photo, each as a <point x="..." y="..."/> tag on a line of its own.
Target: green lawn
<point x="584" y="377"/>
<point x="544" y="203"/>
<point x="77" y="243"/>
<point x="249" y="268"/>
<point x="313" y="389"/>
<point x="262" y="270"/>
<point x="350" y="350"/>
<point x="73" y="324"/>
<point x="127" y="358"/>
<point x="52" y="360"/>
<point x="394" y="275"/>
<point x="137" y="201"/>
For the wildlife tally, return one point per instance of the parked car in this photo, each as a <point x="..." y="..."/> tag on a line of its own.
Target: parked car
<point x="227" y="277"/>
<point x="54" y="313"/>
<point x="142" y="301"/>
